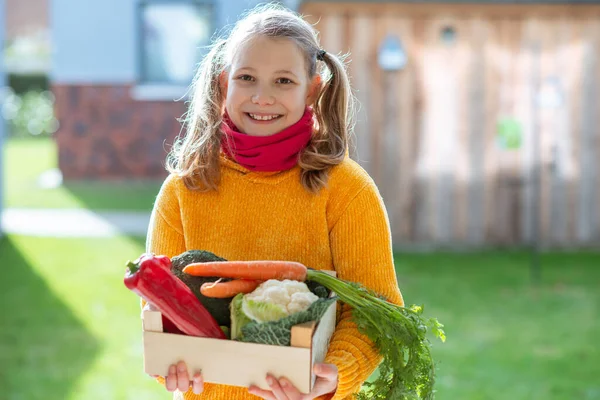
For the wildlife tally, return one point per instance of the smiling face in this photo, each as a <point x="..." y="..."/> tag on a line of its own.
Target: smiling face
<point x="267" y="86"/>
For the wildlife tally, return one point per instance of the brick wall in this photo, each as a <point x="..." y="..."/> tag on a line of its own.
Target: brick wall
<point x="105" y="134"/>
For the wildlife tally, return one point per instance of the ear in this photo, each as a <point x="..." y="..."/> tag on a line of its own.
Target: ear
<point x="314" y="89"/>
<point x="224" y="82"/>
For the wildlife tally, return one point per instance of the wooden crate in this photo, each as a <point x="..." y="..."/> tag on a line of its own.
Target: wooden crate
<point x="236" y="363"/>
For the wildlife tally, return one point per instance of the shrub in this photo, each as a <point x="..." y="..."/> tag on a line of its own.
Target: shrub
<point x="30" y="114"/>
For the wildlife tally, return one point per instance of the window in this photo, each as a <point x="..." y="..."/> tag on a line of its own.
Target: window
<point x="173" y="37"/>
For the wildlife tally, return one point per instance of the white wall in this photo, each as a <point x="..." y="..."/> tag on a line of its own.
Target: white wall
<point x="93" y="41"/>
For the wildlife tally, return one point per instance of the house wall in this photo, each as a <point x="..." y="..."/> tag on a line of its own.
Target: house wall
<point x="429" y="134"/>
<point x="24" y="17"/>
<point x="108" y="130"/>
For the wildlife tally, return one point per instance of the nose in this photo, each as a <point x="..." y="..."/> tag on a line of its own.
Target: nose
<point x="263" y="97"/>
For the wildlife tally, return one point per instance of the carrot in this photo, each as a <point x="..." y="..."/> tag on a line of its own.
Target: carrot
<point x="223" y="290"/>
<point x="255" y="270"/>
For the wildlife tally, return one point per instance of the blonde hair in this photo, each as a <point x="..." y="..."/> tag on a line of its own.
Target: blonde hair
<point x="195" y="157"/>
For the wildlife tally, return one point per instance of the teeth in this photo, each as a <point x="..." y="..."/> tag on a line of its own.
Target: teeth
<point x="263" y="117"/>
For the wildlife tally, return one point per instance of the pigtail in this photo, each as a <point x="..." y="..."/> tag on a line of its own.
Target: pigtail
<point x="334" y="113"/>
<point x="195" y="157"/>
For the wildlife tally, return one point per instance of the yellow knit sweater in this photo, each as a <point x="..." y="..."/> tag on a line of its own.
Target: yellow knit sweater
<point x="260" y="215"/>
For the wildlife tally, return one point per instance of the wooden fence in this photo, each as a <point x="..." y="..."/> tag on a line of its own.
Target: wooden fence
<point x="491" y="97"/>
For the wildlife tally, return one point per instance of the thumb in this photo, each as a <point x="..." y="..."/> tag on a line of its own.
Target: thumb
<point x="326" y="371"/>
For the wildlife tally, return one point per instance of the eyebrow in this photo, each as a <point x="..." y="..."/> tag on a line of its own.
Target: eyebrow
<point x="285" y="71"/>
<point x="279" y="71"/>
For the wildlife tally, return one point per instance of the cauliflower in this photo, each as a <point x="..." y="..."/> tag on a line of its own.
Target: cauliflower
<point x="268" y="314"/>
<point x="291" y="296"/>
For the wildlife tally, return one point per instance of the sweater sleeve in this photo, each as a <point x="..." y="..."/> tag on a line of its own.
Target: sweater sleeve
<point x="165" y="232"/>
<point x="362" y="252"/>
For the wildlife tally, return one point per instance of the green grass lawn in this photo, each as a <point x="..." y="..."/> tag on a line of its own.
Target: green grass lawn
<point x="506" y="338"/>
<point x="26" y="159"/>
<point x="71" y="331"/>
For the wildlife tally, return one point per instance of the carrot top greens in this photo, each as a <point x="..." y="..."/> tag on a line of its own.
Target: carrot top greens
<point x="399" y="334"/>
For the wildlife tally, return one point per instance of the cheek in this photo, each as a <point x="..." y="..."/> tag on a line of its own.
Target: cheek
<point x="294" y="100"/>
<point x="233" y="97"/>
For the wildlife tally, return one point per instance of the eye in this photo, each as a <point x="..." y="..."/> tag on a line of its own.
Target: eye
<point x="284" y="81"/>
<point x="245" y="78"/>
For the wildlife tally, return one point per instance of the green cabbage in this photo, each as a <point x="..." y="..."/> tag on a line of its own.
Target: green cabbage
<point x="267" y="323"/>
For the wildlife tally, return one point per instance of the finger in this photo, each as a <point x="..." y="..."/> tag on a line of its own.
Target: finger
<point x="171" y="381"/>
<point x="183" y="380"/>
<point x="289" y="389"/>
<point x="322" y="386"/>
<point x="197" y="384"/>
<point x="327" y="379"/>
<point x="265" y="394"/>
<point x="326" y="371"/>
<point x="276" y="388"/>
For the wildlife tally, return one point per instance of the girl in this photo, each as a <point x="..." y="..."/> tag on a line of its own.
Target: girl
<point x="263" y="173"/>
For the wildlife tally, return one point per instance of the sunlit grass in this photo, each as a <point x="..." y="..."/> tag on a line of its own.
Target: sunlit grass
<point x="71" y="323"/>
<point x="26" y="159"/>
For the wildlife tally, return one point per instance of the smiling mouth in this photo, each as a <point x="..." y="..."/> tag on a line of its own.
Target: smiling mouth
<point x="257" y="117"/>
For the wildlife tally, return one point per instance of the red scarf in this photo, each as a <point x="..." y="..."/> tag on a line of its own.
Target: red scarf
<point x="278" y="152"/>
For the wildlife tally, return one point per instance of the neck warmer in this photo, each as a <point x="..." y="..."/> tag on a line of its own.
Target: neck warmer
<point x="277" y="152"/>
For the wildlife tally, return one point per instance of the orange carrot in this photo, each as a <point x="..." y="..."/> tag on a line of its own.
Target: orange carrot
<point x="224" y="290"/>
<point x="255" y="270"/>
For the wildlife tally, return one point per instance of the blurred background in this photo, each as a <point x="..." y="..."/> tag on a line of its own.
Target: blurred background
<point x="479" y="121"/>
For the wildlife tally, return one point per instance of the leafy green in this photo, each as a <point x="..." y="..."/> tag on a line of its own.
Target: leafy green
<point x="274" y="332"/>
<point x="318" y="289"/>
<point x="407" y="371"/>
<point x="238" y="318"/>
<point x="218" y="308"/>
<point x="261" y="311"/>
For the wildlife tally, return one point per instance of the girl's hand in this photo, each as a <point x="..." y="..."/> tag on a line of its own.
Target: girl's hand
<point x="282" y="389"/>
<point x="178" y="378"/>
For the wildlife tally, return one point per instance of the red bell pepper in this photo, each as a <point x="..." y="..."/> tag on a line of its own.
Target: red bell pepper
<point x="150" y="278"/>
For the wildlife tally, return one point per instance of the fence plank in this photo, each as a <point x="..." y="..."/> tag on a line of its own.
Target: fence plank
<point x="376" y="114"/>
<point x="573" y="62"/>
<point x="491" y="159"/>
<point x="418" y="206"/>
<point x="588" y="200"/>
<point x="555" y="135"/>
<point x="361" y="29"/>
<point x="426" y="193"/>
<point x="546" y="118"/>
<point x="595" y="40"/>
<point x="476" y="106"/>
<point x="461" y="146"/>
<point x="529" y="117"/>
<point x="443" y="124"/>
<point x="405" y="87"/>
<point x="522" y="112"/>
<point x="390" y="137"/>
<point x="332" y="25"/>
<point x="507" y="205"/>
